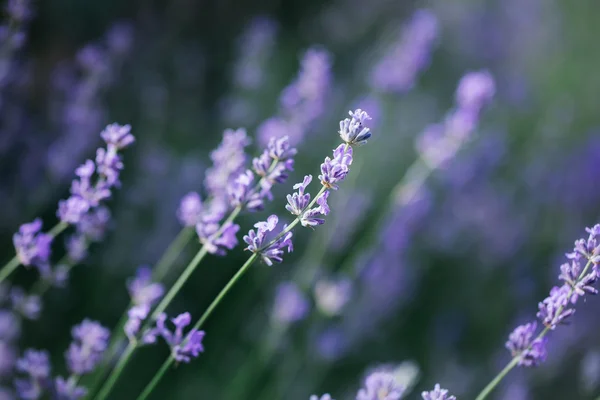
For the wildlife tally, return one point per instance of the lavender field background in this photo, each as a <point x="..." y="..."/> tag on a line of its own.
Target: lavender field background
<point x="449" y="230"/>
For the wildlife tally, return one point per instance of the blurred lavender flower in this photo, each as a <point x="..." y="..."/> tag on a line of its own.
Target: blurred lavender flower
<point x="67" y="389"/>
<point x="255" y="48"/>
<point x="135" y="316"/>
<point x="190" y="209"/>
<point x="36" y="366"/>
<point x="29" y="306"/>
<point x="90" y="340"/>
<point x="33" y="246"/>
<point x="323" y="397"/>
<point x="303" y="101"/>
<point x="380" y="385"/>
<point x="437" y="394"/>
<point x="290" y="304"/>
<point x="332" y="295"/>
<point x="521" y="344"/>
<point x="142" y="289"/>
<point x="440" y="142"/>
<point x="398" y="69"/>
<point x="218" y="240"/>
<point x="182" y="348"/>
<point x="272" y="251"/>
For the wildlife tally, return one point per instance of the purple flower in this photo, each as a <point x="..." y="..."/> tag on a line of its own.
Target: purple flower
<point x="297" y="202"/>
<point x="142" y="290"/>
<point x="32" y="246"/>
<point x="118" y="136"/>
<point x="228" y="161"/>
<point x="380" y="386"/>
<point x="90" y="340"/>
<point x="553" y="309"/>
<point x="190" y="209"/>
<point x="35" y="364"/>
<point x="94" y="224"/>
<point x="353" y="131"/>
<point x="242" y="193"/>
<point x="290" y="303"/>
<point x="77" y="246"/>
<point x="135" y="316"/>
<point x="397" y="71"/>
<point x="73" y="209"/>
<point x="182" y="348"/>
<point x="589" y="248"/>
<point x="475" y="90"/>
<point x="521" y="344"/>
<point x="272" y="251"/>
<point x="324" y="397"/>
<point x="437" y="394"/>
<point x="278" y="127"/>
<point x="335" y="170"/>
<point x="280" y="149"/>
<point x="218" y="240"/>
<point x="570" y="274"/>
<point x="332" y="295"/>
<point x="67" y="389"/>
<point x="29" y="306"/>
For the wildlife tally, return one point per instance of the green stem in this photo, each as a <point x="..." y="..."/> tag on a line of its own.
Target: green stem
<point x="173" y="251"/>
<point x="58" y="229"/>
<point x="492" y="385"/>
<point x="114" y="375"/>
<point x="9" y="268"/>
<point x="161" y="372"/>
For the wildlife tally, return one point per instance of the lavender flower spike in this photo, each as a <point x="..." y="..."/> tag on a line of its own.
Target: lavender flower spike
<point x="380" y="386"/>
<point x="298" y="202"/>
<point x="521" y="344"/>
<point x="183" y="348"/>
<point x="353" y="131"/>
<point x="274" y="251"/>
<point x="90" y="340"/>
<point x="335" y="170"/>
<point x="32" y="246"/>
<point x="36" y="365"/>
<point x="437" y="394"/>
<point x="142" y="290"/>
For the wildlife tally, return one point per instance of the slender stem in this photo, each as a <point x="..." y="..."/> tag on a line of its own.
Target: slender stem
<point x="9" y="268"/>
<point x="173" y="251"/>
<point x="57" y="229"/>
<point x="114" y="375"/>
<point x="158" y="376"/>
<point x="492" y="385"/>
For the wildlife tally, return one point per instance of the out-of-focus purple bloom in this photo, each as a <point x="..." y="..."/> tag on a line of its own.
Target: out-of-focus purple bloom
<point x="274" y="251"/>
<point x="228" y="161"/>
<point x="135" y="316"/>
<point x="331" y="344"/>
<point x="119" y="38"/>
<point x="142" y="290"/>
<point x="190" y="209"/>
<point x="553" y="309"/>
<point x="32" y="246"/>
<point x="8" y="357"/>
<point x="437" y="394"/>
<point x="35" y="364"/>
<point x="215" y="240"/>
<point x="521" y="344"/>
<point x="323" y="397"/>
<point x="332" y="295"/>
<point x="94" y="224"/>
<point x="397" y="71"/>
<point x="29" y="306"/>
<point x="118" y="136"/>
<point x="67" y="389"/>
<point x="380" y="386"/>
<point x="255" y="47"/>
<point x="77" y="247"/>
<point x="352" y="130"/>
<point x="440" y="142"/>
<point x="475" y="90"/>
<point x="90" y="340"/>
<point x="242" y="194"/>
<point x="183" y="348"/>
<point x="290" y="305"/>
<point x="335" y="170"/>
<point x="303" y="101"/>
<point x="10" y="326"/>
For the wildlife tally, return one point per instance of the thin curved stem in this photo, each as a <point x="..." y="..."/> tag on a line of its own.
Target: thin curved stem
<point x="114" y="375"/>
<point x="173" y="251"/>
<point x="513" y="363"/>
<point x="161" y="372"/>
<point x="9" y="268"/>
